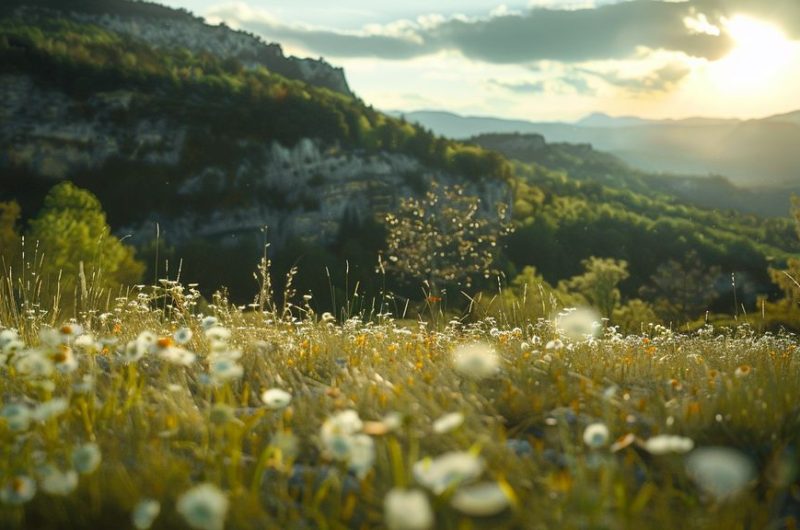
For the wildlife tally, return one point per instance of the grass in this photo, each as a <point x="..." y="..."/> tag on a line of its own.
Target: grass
<point x="162" y="427"/>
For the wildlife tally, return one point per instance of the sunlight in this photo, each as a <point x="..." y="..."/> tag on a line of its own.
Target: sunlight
<point x="761" y="54"/>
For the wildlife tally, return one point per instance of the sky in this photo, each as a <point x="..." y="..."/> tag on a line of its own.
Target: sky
<point x="544" y="60"/>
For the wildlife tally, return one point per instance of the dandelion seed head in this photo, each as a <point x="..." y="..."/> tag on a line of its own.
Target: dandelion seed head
<point x="476" y="360"/>
<point x="203" y="507"/>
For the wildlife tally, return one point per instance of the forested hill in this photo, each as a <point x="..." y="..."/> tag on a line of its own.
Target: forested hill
<point x="166" y="28"/>
<point x="583" y="162"/>
<point x="213" y="148"/>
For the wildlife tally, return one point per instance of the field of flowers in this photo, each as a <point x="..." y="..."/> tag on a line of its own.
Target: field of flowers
<point x="157" y="414"/>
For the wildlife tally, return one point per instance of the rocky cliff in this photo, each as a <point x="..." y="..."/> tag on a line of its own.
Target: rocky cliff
<point x="303" y="190"/>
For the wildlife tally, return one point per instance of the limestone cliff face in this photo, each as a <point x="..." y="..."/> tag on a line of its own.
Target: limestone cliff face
<point x="300" y="191"/>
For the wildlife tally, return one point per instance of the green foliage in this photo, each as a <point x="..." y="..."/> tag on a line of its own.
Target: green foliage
<point x="683" y="289"/>
<point x="599" y="284"/>
<point x="72" y="234"/>
<point x="789" y="279"/>
<point x="634" y="316"/>
<point x="528" y="298"/>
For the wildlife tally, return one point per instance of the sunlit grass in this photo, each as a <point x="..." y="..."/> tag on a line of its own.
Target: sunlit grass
<point x="153" y="410"/>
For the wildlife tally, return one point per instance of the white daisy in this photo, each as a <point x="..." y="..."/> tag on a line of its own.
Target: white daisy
<point x="596" y="435"/>
<point x="275" y="398"/>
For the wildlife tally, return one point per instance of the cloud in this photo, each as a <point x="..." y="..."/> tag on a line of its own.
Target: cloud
<point x="663" y="78"/>
<point x="575" y="35"/>
<point x="571" y="84"/>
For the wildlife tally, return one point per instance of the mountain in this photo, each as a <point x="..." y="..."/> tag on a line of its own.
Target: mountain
<point x="751" y="153"/>
<point x="600" y="119"/>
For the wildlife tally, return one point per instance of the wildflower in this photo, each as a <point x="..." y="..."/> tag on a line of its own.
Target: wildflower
<point x="476" y="361"/>
<point x="50" y="409"/>
<point x="407" y="510"/>
<point x="6" y="336"/>
<point x="362" y="454"/>
<point x="203" y="507"/>
<point x="50" y="337"/>
<point x="176" y="355"/>
<point x="275" y="398"/>
<point x="34" y="365"/>
<point x="668" y="443"/>
<point x="57" y="482"/>
<point x="18" y="490"/>
<point x="720" y="471"/>
<point x="742" y="371"/>
<point x="17" y="416"/>
<point x="579" y="324"/>
<point x="447" y="470"/>
<point x="147" y="339"/>
<point x="70" y="330"/>
<point x="448" y="422"/>
<point x="182" y="336"/>
<point x="222" y="370"/>
<point x="596" y="435"/>
<point x="554" y="345"/>
<point x="218" y="334"/>
<point x="480" y="500"/>
<point x="64" y="360"/>
<point x="208" y="322"/>
<point x="12" y="347"/>
<point x="86" y="343"/>
<point x="134" y="350"/>
<point x="86" y="458"/>
<point x="337" y="433"/>
<point x="144" y="513"/>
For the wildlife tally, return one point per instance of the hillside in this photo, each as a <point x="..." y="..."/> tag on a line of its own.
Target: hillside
<point x="583" y="162"/>
<point x="206" y="151"/>
<point x="751" y="153"/>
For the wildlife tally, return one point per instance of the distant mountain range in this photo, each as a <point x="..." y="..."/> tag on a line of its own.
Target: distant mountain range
<point x="751" y="153"/>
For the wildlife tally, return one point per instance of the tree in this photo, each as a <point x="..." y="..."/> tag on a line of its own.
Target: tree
<point x="789" y="279"/>
<point x="682" y="290"/>
<point x="71" y="233"/>
<point x="444" y="236"/>
<point x="599" y="284"/>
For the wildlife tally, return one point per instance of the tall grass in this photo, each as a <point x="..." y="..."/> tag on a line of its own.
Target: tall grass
<point x="164" y="425"/>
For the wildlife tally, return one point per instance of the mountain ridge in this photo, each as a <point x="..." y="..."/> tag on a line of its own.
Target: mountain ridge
<point x="751" y="153"/>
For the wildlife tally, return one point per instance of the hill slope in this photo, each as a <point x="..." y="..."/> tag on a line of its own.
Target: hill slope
<point x="753" y="153"/>
<point x="583" y="162"/>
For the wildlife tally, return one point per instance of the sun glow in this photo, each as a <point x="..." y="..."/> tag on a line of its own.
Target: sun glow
<point x="762" y="53"/>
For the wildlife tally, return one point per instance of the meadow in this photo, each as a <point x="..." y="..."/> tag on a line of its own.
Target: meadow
<point x="157" y="409"/>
